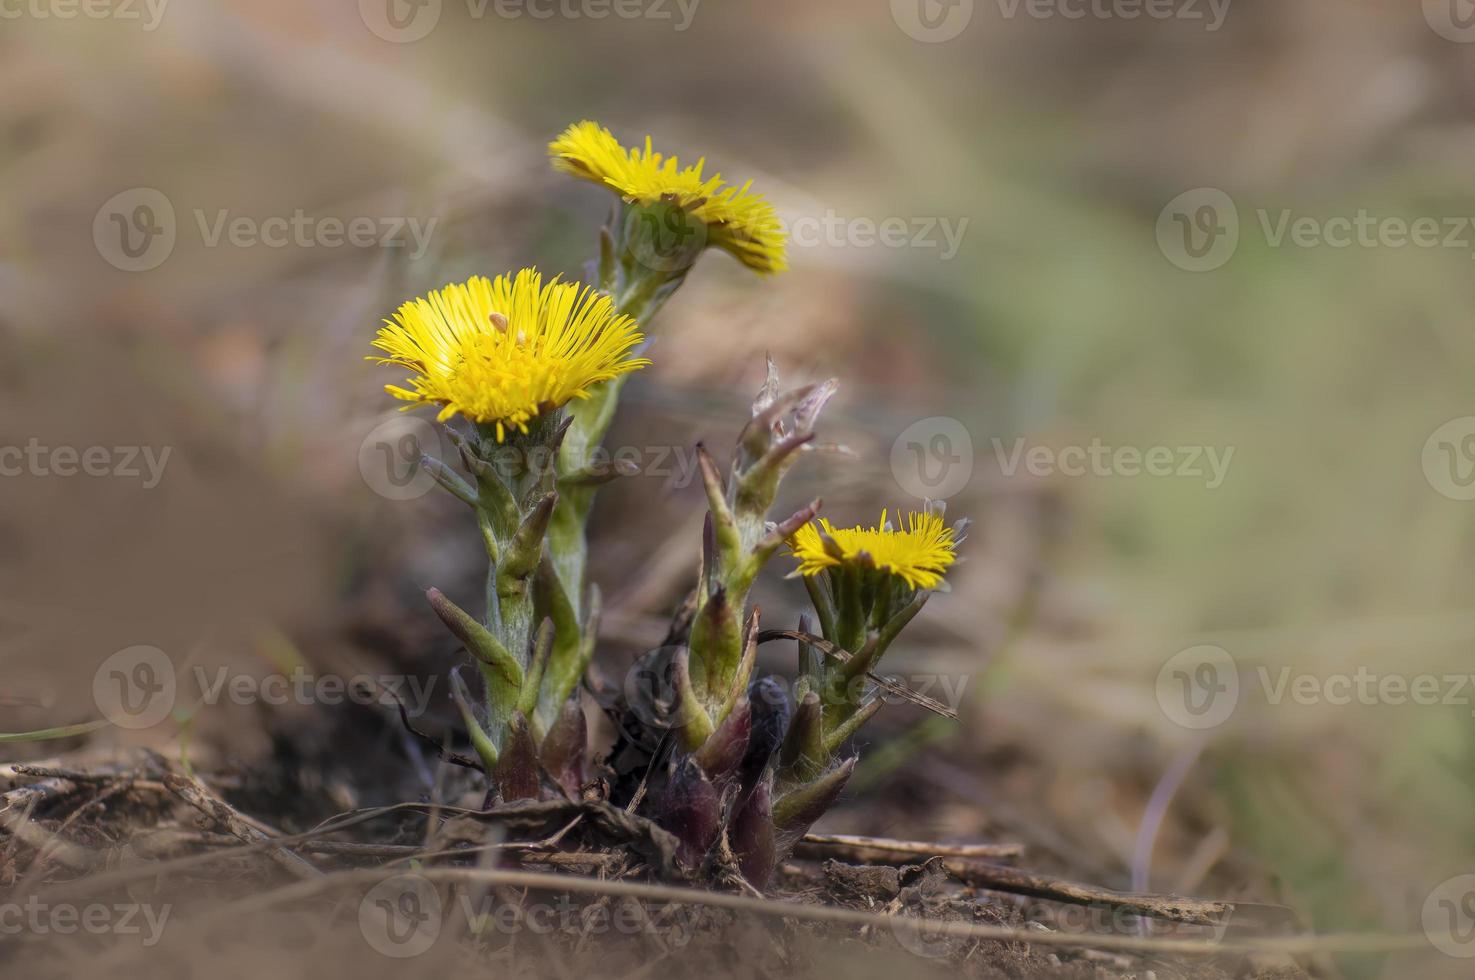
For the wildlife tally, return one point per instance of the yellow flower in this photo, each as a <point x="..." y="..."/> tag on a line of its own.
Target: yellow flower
<point x="503" y="352"/>
<point x="738" y="221"/>
<point x="919" y="554"/>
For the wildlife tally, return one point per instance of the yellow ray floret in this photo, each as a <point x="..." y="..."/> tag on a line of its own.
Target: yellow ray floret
<point x="738" y="220"/>
<point x="920" y="554"/>
<point x="503" y="352"/>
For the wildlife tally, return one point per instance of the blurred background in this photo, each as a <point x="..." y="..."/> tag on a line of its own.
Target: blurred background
<point x="1021" y="231"/>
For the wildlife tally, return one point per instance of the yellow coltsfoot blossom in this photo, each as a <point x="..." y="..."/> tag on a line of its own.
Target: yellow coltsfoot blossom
<point x="919" y="554"/>
<point x="503" y="352"/>
<point x="737" y="220"/>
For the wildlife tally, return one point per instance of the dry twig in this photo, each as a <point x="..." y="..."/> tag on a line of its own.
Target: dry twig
<point x="193" y="792"/>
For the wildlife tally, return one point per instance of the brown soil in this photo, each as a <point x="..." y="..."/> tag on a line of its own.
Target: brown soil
<point x="132" y="828"/>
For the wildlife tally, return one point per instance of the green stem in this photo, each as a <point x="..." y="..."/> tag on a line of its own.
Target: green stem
<point x="637" y="293"/>
<point x="850" y="624"/>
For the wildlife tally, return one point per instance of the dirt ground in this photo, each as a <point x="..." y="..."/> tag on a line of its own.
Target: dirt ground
<point x="190" y="843"/>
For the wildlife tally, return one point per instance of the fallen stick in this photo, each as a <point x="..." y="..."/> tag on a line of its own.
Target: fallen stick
<point x="1175" y="908"/>
<point x="193" y="792"/>
<point x="964" y="861"/>
<point x="25" y="799"/>
<point x="108" y="774"/>
<point x="14" y="772"/>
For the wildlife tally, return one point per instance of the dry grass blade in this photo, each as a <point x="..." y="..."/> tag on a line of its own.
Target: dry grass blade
<point x="860" y="847"/>
<point x="52" y="734"/>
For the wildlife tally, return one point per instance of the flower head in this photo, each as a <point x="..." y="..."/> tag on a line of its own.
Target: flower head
<point x="920" y="554"/>
<point x="738" y="221"/>
<point x="503" y="352"/>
